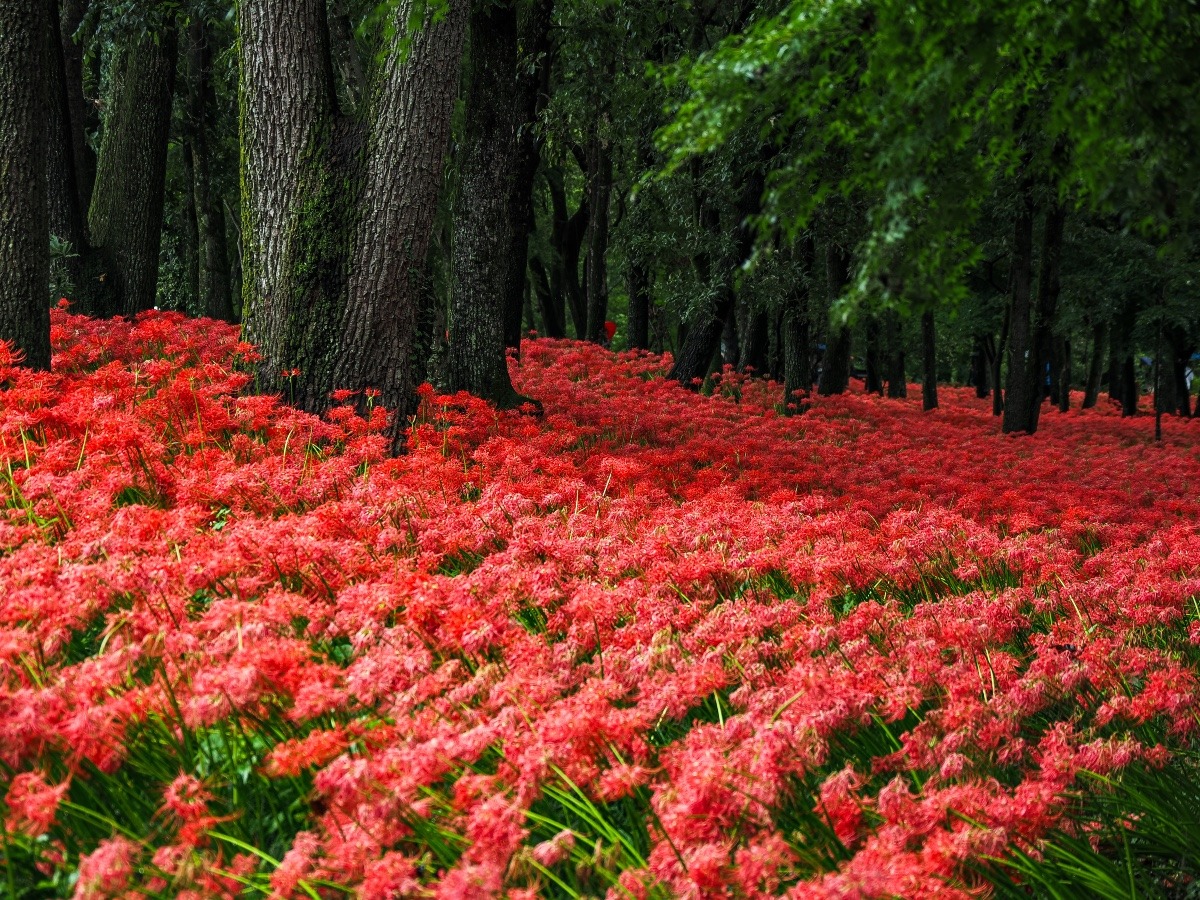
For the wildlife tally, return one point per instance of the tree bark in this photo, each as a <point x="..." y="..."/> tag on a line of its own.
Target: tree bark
<point x="599" y="187"/>
<point x="929" y="397"/>
<point x="897" y="377"/>
<point x="703" y="338"/>
<point x="567" y="234"/>
<point x="532" y="92"/>
<point x="1096" y="365"/>
<point x="639" y="306"/>
<point x="84" y="116"/>
<point x="1043" y="338"/>
<point x="797" y="324"/>
<point x="874" y="381"/>
<point x="483" y="225"/>
<point x="336" y="223"/>
<point x="835" y="364"/>
<point x="24" y="221"/>
<point x="756" y="342"/>
<point x="550" y="306"/>
<point x="1024" y="375"/>
<point x="1130" y="393"/>
<point x="126" y="214"/>
<point x="213" y="289"/>
<point x="1064" y="375"/>
<point x="62" y="184"/>
<point x="998" y="366"/>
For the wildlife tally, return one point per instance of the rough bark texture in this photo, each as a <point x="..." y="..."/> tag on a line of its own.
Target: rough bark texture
<point x="125" y="217"/>
<point x="1091" y="392"/>
<point x="337" y="223"/>
<point x="929" y="397"/>
<point x="213" y="288"/>
<point x="24" y="224"/>
<point x="1024" y="375"/>
<point x="483" y="226"/>
<point x="532" y="92"/>
<point x="295" y="196"/>
<point x="835" y="364"/>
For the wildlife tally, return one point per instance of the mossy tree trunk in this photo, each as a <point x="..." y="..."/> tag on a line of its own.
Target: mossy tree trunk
<point x="337" y="214"/>
<point x="483" y="224"/>
<point x="126" y="213"/>
<point x="24" y="222"/>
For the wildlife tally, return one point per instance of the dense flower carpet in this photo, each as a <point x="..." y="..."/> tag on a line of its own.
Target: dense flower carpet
<point x="648" y="644"/>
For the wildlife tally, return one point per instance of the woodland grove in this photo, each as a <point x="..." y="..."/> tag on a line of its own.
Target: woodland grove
<point x="464" y="449"/>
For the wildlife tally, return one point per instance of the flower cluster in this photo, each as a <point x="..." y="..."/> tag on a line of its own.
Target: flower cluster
<point x="650" y="644"/>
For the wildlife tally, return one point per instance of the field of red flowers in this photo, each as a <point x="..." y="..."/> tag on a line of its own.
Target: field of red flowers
<point x="648" y="645"/>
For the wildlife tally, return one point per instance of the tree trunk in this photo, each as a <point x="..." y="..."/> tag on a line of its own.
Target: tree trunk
<point x="639" y="306"/>
<point x="599" y="187"/>
<point x="1091" y="392"/>
<point x="550" y="306"/>
<point x="835" y="365"/>
<point x="797" y="359"/>
<point x="897" y="377"/>
<point x="1064" y="376"/>
<point x="703" y="338"/>
<point x="337" y="223"/>
<point x="1043" y="339"/>
<point x="190" y="236"/>
<point x="567" y="233"/>
<point x="532" y="91"/>
<point x="874" y="383"/>
<point x="62" y="183"/>
<point x="998" y="366"/>
<point x="1024" y="386"/>
<point x="483" y="225"/>
<point x="24" y="222"/>
<point x="1130" y="393"/>
<point x="212" y="260"/>
<point x="126" y="214"/>
<point x="730" y="344"/>
<point x="84" y="116"/>
<point x="756" y="343"/>
<point x="929" y="397"/>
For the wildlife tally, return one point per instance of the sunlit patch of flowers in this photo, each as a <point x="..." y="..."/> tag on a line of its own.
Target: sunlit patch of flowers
<point x="650" y="644"/>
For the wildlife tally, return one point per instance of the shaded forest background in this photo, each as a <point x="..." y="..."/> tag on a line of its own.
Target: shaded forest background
<point x="390" y="193"/>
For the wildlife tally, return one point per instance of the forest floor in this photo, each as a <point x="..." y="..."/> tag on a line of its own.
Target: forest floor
<point x="650" y="644"/>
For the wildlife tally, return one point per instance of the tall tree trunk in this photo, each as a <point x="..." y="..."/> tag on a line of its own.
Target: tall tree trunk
<point x="336" y="224"/>
<point x="981" y="356"/>
<point x="348" y="67"/>
<point x="897" y="377"/>
<point x="1024" y="386"/>
<point x="639" y="306"/>
<point x="998" y="366"/>
<point x="62" y="183"/>
<point x="1091" y="391"/>
<point x="874" y="382"/>
<point x="756" y="343"/>
<point x="567" y="234"/>
<point x="212" y="260"/>
<point x="703" y="337"/>
<point x="483" y="226"/>
<point x="929" y="397"/>
<point x="549" y="304"/>
<point x="797" y="358"/>
<point x="1042" y="337"/>
<point x="126" y="214"/>
<point x="84" y="116"/>
<point x="1130" y="393"/>
<point x="730" y="343"/>
<point x="835" y="365"/>
<point x="1064" y="375"/>
<point x="599" y="159"/>
<point x="190" y="236"/>
<point x="532" y="91"/>
<point x="24" y="222"/>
